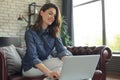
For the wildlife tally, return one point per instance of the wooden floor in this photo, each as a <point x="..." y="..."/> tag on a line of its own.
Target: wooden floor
<point x="113" y="76"/>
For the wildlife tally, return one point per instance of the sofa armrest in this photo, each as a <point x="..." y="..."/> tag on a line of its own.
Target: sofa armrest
<point x="106" y="56"/>
<point x="3" y="67"/>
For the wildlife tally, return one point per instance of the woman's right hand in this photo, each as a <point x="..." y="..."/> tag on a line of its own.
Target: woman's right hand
<point x="49" y="73"/>
<point x="53" y="74"/>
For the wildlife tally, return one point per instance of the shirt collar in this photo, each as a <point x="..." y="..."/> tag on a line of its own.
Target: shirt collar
<point x="43" y="31"/>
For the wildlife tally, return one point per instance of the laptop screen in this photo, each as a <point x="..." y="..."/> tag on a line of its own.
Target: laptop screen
<point x="79" y="67"/>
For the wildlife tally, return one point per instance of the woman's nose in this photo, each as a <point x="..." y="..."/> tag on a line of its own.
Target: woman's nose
<point x="53" y="17"/>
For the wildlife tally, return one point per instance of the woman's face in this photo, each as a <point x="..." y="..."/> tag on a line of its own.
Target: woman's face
<point x="48" y="16"/>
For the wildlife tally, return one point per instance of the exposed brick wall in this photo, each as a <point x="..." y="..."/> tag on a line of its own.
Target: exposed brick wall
<point x="9" y="12"/>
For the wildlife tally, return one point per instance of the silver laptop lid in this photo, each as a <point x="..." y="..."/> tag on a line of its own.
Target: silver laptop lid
<point x="79" y="67"/>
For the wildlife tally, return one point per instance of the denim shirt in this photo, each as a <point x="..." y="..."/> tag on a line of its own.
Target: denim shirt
<point x="40" y="45"/>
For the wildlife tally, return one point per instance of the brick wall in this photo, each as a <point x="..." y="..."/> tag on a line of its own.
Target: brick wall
<point x="9" y="12"/>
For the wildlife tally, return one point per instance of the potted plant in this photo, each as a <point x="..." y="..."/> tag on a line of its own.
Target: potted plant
<point x="64" y="33"/>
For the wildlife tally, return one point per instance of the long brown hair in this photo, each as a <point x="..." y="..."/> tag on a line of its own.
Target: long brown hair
<point x="54" y="28"/>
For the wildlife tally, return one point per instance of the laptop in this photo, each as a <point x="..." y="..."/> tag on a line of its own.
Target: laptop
<point x="79" y="67"/>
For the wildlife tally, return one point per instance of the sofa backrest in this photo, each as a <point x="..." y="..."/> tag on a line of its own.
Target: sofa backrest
<point x="6" y="41"/>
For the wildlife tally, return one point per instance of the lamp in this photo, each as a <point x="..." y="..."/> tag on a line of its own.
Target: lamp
<point x="32" y="11"/>
<point x="21" y="17"/>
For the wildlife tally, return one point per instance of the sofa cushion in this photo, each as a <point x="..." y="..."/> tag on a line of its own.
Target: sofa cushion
<point x="13" y="59"/>
<point x="21" y="51"/>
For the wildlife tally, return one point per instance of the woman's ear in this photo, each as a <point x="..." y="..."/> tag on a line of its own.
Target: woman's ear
<point x="41" y="13"/>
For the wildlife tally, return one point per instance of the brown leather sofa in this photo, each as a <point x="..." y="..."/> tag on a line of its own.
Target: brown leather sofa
<point x="100" y="73"/>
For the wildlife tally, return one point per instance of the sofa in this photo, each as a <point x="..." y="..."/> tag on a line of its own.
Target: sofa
<point x="11" y="69"/>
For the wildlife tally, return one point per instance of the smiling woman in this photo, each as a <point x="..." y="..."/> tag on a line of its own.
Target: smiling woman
<point x="43" y="42"/>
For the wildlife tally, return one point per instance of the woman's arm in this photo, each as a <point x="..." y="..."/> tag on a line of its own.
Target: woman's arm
<point x="43" y="68"/>
<point x="48" y="72"/>
<point x="61" y="50"/>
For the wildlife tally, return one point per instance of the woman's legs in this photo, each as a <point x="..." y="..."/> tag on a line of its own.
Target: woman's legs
<point x="32" y="72"/>
<point x="53" y="64"/>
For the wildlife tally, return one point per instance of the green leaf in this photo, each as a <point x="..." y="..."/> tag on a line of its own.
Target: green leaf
<point x="64" y="33"/>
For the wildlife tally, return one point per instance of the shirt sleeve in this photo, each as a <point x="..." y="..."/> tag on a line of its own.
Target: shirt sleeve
<point x="60" y="48"/>
<point x="31" y="48"/>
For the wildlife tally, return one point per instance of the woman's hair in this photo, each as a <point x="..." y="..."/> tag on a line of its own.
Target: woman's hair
<point x="54" y="28"/>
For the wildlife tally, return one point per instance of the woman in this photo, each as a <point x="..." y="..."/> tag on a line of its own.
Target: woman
<point x="43" y="42"/>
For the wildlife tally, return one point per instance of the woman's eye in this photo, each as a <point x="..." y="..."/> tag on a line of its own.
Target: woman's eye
<point x="50" y="13"/>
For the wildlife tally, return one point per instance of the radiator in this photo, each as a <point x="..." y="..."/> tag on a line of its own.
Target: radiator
<point x="114" y="65"/>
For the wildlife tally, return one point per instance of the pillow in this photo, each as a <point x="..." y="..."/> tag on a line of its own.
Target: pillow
<point x="21" y="51"/>
<point x="13" y="59"/>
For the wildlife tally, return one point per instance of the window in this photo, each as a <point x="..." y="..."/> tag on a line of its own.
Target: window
<point x="88" y="25"/>
<point x="112" y="16"/>
<point x="87" y="20"/>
